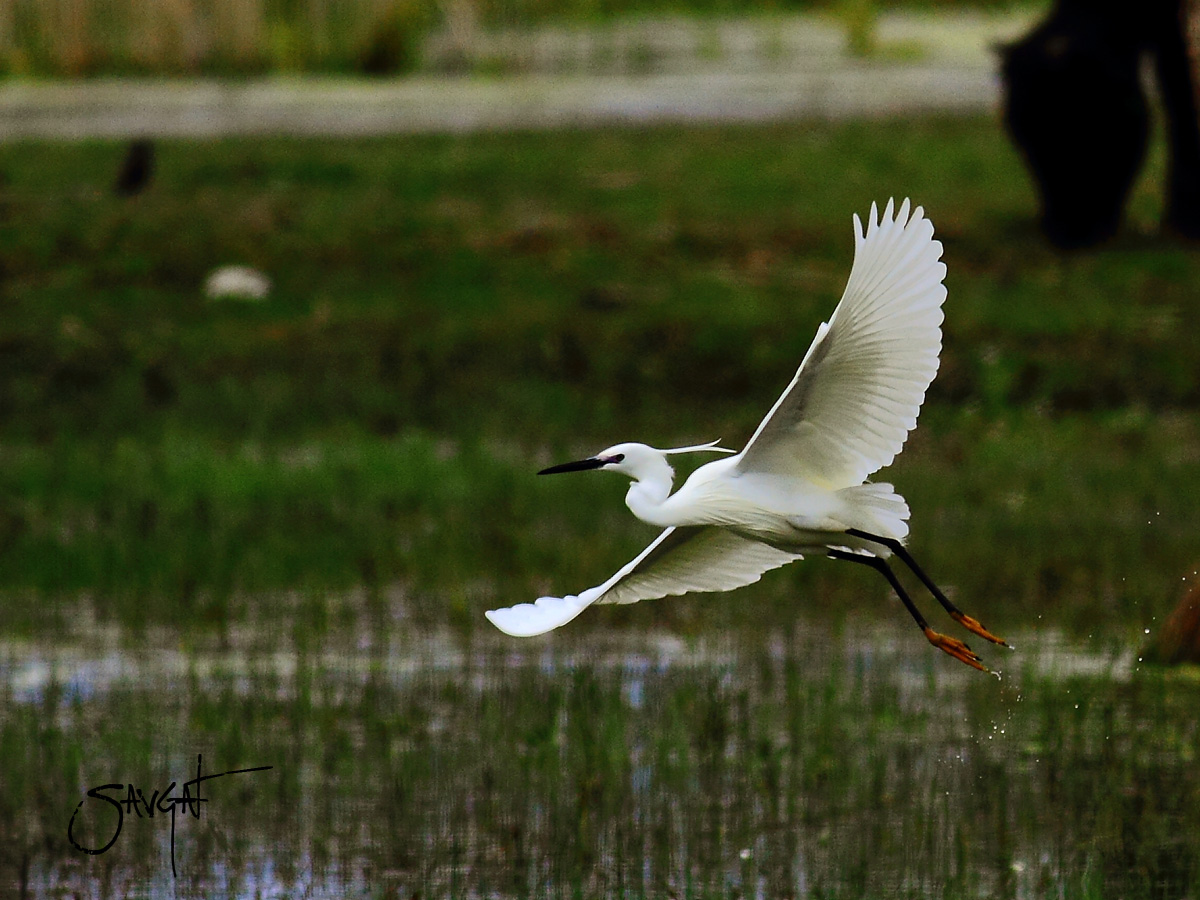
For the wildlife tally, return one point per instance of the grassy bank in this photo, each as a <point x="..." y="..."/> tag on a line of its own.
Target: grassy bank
<point x="451" y="313"/>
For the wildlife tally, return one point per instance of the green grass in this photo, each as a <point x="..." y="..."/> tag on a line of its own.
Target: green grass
<point x="466" y="285"/>
<point x="452" y="313"/>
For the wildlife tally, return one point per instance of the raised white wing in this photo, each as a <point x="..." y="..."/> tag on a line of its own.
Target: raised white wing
<point x="858" y="391"/>
<point x="689" y="558"/>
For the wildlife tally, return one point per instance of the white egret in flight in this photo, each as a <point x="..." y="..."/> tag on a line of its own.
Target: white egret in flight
<point x="799" y="486"/>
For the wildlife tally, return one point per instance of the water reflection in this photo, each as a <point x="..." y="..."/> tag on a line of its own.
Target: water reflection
<point x="800" y="764"/>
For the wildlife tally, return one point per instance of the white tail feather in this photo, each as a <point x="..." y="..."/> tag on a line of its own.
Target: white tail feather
<point x="877" y="508"/>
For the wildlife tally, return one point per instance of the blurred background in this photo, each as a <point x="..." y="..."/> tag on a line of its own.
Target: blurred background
<point x="397" y="37"/>
<point x="298" y="295"/>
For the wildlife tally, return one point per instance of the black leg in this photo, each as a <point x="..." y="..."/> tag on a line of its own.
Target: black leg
<point x="957" y="614"/>
<point x="880" y="565"/>
<point x="953" y="646"/>
<point x="901" y="551"/>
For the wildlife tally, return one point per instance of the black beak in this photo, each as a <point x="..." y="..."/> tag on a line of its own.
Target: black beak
<point x="593" y="462"/>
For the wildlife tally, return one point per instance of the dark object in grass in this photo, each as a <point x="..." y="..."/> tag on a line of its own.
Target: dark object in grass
<point x="136" y="169"/>
<point x="394" y="44"/>
<point x="1178" y="641"/>
<point x="1076" y="108"/>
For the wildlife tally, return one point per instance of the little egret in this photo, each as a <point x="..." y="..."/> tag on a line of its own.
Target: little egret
<point x="799" y="486"/>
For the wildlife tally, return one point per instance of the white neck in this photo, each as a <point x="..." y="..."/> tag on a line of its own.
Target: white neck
<point x="650" y="489"/>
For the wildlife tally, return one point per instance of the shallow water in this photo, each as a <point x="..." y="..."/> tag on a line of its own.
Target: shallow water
<point x="810" y="763"/>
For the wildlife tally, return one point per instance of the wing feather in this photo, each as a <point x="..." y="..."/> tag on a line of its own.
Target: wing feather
<point x="857" y="394"/>
<point x="678" y="561"/>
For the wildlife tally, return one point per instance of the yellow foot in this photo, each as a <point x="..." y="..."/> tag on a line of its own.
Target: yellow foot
<point x="957" y="649"/>
<point x="973" y="626"/>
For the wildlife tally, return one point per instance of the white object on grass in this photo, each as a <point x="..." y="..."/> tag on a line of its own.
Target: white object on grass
<point x="237" y="283"/>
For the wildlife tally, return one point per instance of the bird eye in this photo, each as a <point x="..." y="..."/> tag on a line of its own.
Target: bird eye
<point x="620" y="457"/>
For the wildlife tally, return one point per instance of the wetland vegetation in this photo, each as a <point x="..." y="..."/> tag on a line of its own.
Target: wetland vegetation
<point x="267" y="532"/>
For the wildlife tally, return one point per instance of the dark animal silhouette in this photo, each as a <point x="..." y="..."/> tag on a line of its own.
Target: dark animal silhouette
<point x="1075" y="106"/>
<point x="137" y="168"/>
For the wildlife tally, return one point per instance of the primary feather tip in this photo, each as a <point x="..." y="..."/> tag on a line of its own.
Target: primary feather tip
<point x="545" y="614"/>
<point x="904" y="216"/>
<point x="696" y="448"/>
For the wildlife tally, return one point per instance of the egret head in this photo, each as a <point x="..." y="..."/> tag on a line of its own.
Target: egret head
<point x="630" y="459"/>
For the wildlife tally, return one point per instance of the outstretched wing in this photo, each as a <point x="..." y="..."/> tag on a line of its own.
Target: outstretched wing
<point x="857" y="393"/>
<point x="683" y="559"/>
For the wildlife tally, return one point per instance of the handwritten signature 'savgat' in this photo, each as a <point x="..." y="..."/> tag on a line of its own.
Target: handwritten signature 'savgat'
<point x="135" y="801"/>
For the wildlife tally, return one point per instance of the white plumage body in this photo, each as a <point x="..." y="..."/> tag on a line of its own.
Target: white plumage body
<point x="786" y="510"/>
<point x="799" y="485"/>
